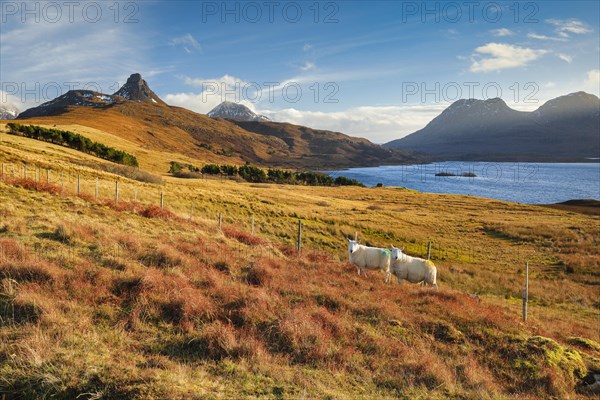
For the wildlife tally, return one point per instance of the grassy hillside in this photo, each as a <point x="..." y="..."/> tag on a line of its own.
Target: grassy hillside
<point x="99" y="300"/>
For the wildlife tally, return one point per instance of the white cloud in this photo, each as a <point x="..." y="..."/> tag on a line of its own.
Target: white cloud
<point x="9" y="101"/>
<point x="214" y="91"/>
<point x="565" y="27"/>
<point x="187" y="41"/>
<point x="307" y="66"/>
<point x="498" y="56"/>
<point x="565" y="57"/>
<point x="501" y="32"/>
<point x="377" y="123"/>
<point x="592" y="82"/>
<point x="99" y="56"/>
<point x="307" y="47"/>
<point x="544" y="37"/>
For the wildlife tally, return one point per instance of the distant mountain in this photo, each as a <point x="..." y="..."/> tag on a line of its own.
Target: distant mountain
<point x="563" y="129"/>
<point x="8" y="111"/>
<point x="231" y="110"/>
<point x="137" y="89"/>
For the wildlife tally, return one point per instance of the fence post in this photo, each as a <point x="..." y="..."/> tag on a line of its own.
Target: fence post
<point x="429" y="249"/>
<point x="37" y="175"/>
<point x="162" y="200"/>
<point x="25" y="171"/>
<point x="355" y="236"/>
<point x="526" y="292"/>
<point x="2" y="170"/>
<point x="48" y="176"/>
<point x="299" y="242"/>
<point x="220" y="220"/>
<point x="97" y="189"/>
<point x="78" y="184"/>
<point x="116" y="192"/>
<point x="252" y="224"/>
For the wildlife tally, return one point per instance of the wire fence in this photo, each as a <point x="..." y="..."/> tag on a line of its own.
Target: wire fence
<point x="100" y="186"/>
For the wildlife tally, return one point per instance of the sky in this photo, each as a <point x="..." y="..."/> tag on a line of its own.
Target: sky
<point x="373" y="69"/>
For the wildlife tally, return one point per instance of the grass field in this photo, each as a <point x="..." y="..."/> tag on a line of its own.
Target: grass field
<point x="131" y="301"/>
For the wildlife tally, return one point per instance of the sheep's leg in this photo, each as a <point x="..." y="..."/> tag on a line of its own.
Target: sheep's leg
<point x="399" y="280"/>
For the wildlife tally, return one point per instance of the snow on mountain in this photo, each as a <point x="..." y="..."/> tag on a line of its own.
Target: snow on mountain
<point x="231" y="110"/>
<point x="8" y="111"/>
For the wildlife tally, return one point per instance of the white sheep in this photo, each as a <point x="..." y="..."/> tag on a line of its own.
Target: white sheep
<point x="413" y="269"/>
<point x="365" y="257"/>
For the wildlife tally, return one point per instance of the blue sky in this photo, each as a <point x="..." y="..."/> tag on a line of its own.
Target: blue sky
<point x="378" y="70"/>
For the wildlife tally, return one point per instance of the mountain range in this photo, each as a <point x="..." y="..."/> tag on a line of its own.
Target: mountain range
<point x="566" y="128"/>
<point x="563" y="129"/>
<point x="135" y="113"/>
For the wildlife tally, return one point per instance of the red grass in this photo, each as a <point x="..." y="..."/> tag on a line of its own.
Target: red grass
<point x="157" y="212"/>
<point x="242" y="236"/>
<point x="11" y="250"/>
<point x="31" y="184"/>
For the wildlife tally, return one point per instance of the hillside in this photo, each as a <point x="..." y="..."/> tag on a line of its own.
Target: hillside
<point x="154" y="126"/>
<point x="105" y="300"/>
<point x="563" y="129"/>
<point x="325" y="148"/>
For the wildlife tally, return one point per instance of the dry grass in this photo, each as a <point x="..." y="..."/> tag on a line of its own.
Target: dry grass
<point x="131" y="301"/>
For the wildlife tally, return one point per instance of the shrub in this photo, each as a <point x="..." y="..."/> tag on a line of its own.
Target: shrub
<point x="252" y="174"/>
<point x="175" y="167"/>
<point x="211" y="169"/>
<point x="343" y="181"/>
<point x="74" y="141"/>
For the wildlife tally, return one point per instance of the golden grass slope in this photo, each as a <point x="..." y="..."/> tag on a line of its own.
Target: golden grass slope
<point x="128" y="302"/>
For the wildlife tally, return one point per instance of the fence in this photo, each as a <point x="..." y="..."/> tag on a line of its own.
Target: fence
<point x="93" y="185"/>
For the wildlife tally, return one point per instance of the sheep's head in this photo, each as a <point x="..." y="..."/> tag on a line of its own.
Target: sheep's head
<point x="352" y="246"/>
<point x="396" y="252"/>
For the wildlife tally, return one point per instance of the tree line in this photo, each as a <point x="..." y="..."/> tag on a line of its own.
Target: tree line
<point x="255" y="174"/>
<point x="73" y="141"/>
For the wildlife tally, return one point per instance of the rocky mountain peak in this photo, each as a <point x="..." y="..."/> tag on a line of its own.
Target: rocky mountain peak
<point x="137" y="89"/>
